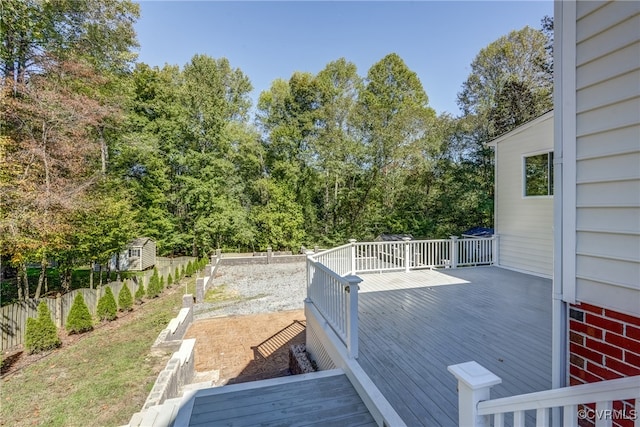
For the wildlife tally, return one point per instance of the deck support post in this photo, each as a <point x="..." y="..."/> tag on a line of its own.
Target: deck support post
<point x="495" y="258"/>
<point x="353" y="256"/>
<point x="474" y="385"/>
<point x="352" y="315"/>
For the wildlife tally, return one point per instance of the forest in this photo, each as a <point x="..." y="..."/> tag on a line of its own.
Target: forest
<point x="97" y="148"/>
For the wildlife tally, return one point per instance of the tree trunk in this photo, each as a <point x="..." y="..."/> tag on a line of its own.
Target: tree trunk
<point x="104" y="153"/>
<point x="19" y="285"/>
<point x="100" y="275"/>
<point x="43" y="275"/>
<point x="25" y="277"/>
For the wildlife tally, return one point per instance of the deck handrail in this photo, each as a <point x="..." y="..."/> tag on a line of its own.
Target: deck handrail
<point x="576" y="402"/>
<point x="336" y="298"/>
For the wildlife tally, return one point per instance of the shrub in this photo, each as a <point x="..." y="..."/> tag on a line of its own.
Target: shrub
<point x="41" y="333"/>
<point x="140" y="292"/>
<point x="177" y="274"/>
<point x="161" y="281"/>
<point x="189" y="271"/>
<point x="79" y="318"/>
<point x="153" y="288"/>
<point x="107" y="308"/>
<point x="183" y="271"/>
<point x="125" y="300"/>
<point x="169" y="281"/>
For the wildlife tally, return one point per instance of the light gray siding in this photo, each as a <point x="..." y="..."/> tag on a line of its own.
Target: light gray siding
<point x="524" y="224"/>
<point x="607" y="153"/>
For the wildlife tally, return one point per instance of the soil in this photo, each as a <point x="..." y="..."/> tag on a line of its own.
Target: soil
<point x="246" y="348"/>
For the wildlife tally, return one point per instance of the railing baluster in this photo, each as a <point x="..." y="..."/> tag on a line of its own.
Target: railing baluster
<point x="605" y="408"/>
<point x="518" y="419"/>
<point x="542" y="417"/>
<point x="570" y="416"/>
<point x="498" y="420"/>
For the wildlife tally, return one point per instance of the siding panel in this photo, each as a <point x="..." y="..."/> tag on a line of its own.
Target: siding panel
<point x="524" y="224"/>
<point x="608" y="149"/>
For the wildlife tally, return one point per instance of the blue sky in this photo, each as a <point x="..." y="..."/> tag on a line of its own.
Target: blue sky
<point x="268" y="40"/>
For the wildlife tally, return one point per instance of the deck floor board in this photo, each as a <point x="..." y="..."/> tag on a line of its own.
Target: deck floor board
<point x="413" y="325"/>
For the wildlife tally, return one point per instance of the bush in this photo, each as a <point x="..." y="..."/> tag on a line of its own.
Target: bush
<point x="177" y="274"/>
<point x="79" y="318"/>
<point x="169" y="281"/>
<point x="189" y="271"/>
<point x="125" y="300"/>
<point x="107" y="308"/>
<point x="153" y="288"/>
<point x="183" y="271"/>
<point x="161" y="281"/>
<point x="41" y="333"/>
<point x="140" y="292"/>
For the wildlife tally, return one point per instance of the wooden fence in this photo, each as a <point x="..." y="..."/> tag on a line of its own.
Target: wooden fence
<point x="13" y="317"/>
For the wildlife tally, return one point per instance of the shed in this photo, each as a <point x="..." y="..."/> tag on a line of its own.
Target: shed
<point x="139" y="255"/>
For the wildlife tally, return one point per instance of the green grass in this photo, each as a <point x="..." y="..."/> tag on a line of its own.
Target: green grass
<point x="101" y="380"/>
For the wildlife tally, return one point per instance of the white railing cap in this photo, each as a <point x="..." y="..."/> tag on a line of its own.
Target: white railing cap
<point x="474" y="375"/>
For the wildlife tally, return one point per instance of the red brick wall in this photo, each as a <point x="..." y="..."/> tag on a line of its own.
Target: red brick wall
<point x="603" y="345"/>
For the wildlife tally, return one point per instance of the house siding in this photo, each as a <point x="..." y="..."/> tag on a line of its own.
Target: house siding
<point x="607" y="257"/>
<point x="524" y="224"/>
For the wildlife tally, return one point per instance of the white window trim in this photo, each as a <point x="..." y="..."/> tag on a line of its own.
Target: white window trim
<point x="524" y="174"/>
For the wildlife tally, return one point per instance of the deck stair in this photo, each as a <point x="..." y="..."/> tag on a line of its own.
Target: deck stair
<point x="322" y="398"/>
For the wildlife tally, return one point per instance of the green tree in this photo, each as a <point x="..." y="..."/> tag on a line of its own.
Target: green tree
<point x="41" y="333"/>
<point x="169" y="281"/>
<point x="125" y="300"/>
<point x="107" y="307"/>
<point x="79" y="318"/>
<point x="153" y="288"/>
<point x="140" y="292"/>
<point x="396" y="124"/>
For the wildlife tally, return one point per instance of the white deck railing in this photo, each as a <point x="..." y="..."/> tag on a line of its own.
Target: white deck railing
<point x="336" y="298"/>
<point x="332" y="284"/>
<point x="591" y="402"/>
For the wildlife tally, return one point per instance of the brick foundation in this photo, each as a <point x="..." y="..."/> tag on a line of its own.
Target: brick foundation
<point x="603" y="345"/>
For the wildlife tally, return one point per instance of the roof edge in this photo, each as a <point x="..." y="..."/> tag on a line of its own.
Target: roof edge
<point x="520" y="128"/>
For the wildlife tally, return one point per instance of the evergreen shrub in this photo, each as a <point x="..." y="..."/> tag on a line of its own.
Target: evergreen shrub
<point x="41" y="333"/>
<point x="107" y="308"/>
<point x="125" y="300"/>
<point x="79" y="319"/>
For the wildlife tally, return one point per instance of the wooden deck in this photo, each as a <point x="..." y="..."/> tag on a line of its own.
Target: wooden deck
<point x="324" y="398"/>
<point x="413" y="325"/>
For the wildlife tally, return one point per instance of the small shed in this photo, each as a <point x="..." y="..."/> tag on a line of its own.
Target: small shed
<point x="139" y="255"/>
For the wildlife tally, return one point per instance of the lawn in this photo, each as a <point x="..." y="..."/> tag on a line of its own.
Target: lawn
<point x="100" y="380"/>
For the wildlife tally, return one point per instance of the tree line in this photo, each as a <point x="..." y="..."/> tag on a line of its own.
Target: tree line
<point x="96" y="148"/>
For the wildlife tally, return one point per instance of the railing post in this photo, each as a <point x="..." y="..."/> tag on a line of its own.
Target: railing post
<point x="454" y="251"/>
<point x="407" y="261"/>
<point x="352" y="315"/>
<point x="474" y="385"/>
<point x="495" y="258"/>
<point x="353" y="256"/>
<point x="269" y="254"/>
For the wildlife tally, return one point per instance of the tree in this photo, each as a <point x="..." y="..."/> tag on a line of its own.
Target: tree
<point x="513" y="70"/>
<point x="41" y="333"/>
<point x="79" y="318"/>
<point x="125" y="300"/>
<point x="107" y="307"/>
<point x="140" y="292"/>
<point x="153" y="288"/>
<point x="100" y="31"/>
<point x="396" y="121"/>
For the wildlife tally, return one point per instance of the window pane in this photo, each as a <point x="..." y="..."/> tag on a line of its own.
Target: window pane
<point x="537" y="175"/>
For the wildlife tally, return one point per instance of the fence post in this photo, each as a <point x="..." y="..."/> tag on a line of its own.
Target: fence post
<point x="59" y="315"/>
<point x="407" y="257"/>
<point x="199" y="289"/>
<point x="454" y="251"/>
<point x="269" y="254"/>
<point x="352" y="315"/>
<point x="353" y="256"/>
<point x="474" y="386"/>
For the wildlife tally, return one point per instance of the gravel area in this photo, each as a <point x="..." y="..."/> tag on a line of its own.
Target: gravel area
<point x="251" y="289"/>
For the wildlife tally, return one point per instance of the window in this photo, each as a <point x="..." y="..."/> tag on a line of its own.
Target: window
<point x="538" y="175"/>
<point x="134" y="252"/>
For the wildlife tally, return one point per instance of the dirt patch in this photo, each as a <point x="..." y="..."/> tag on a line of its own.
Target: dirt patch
<point x="247" y="348"/>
